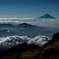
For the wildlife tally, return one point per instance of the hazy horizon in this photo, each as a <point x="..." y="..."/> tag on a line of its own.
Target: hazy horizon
<point x="27" y="10"/>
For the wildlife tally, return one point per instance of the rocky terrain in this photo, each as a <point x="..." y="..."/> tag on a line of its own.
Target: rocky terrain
<point x="31" y="51"/>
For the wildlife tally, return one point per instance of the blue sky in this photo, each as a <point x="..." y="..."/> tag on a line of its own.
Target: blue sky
<point x="13" y="10"/>
<point x="28" y="8"/>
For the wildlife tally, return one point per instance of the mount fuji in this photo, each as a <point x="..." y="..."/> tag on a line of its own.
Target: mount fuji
<point x="46" y="16"/>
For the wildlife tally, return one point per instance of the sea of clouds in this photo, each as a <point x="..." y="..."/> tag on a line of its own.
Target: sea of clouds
<point x="10" y="41"/>
<point x="40" y="22"/>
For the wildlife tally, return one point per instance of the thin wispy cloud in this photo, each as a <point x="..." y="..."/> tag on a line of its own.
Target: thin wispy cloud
<point x="16" y="18"/>
<point x="15" y="22"/>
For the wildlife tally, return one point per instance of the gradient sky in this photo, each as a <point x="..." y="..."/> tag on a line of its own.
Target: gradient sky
<point x="28" y="8"/>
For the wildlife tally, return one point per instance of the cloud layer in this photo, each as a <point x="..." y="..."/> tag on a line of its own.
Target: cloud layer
<point x="40" y="22"/>
<point x="10" y="41"/>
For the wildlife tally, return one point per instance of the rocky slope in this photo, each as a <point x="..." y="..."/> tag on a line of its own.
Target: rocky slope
<point x="31" y="51"/>
<point x="51" y="49"/>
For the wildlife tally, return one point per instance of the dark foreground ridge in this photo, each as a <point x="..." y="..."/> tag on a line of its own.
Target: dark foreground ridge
<point x="25" y="51"/>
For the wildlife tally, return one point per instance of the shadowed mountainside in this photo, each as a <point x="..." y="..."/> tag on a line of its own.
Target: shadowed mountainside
<point x="46" y="16"/>
<point x="21" y="51"/>
<point x="25" y="51"/>
<point x="51" y="49"/>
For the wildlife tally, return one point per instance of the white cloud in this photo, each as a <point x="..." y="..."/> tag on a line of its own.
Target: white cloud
<point x="38" y="40"/>
<point x="47" y="23"/>
<point x="16" y="18"/>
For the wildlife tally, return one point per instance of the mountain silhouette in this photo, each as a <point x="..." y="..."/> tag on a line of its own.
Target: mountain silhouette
<point x="47" y="16"/>
<point x="26" y="25"/>
<point x="17" y="51"/>
<point x="6" y="25"/>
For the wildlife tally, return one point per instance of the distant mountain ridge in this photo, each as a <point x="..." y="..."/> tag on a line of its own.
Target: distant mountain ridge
<point x="4" y="24"/>
<point x="46" y="16"/>
<point x="20" y="25"/>
<point x="26" y="25"/>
